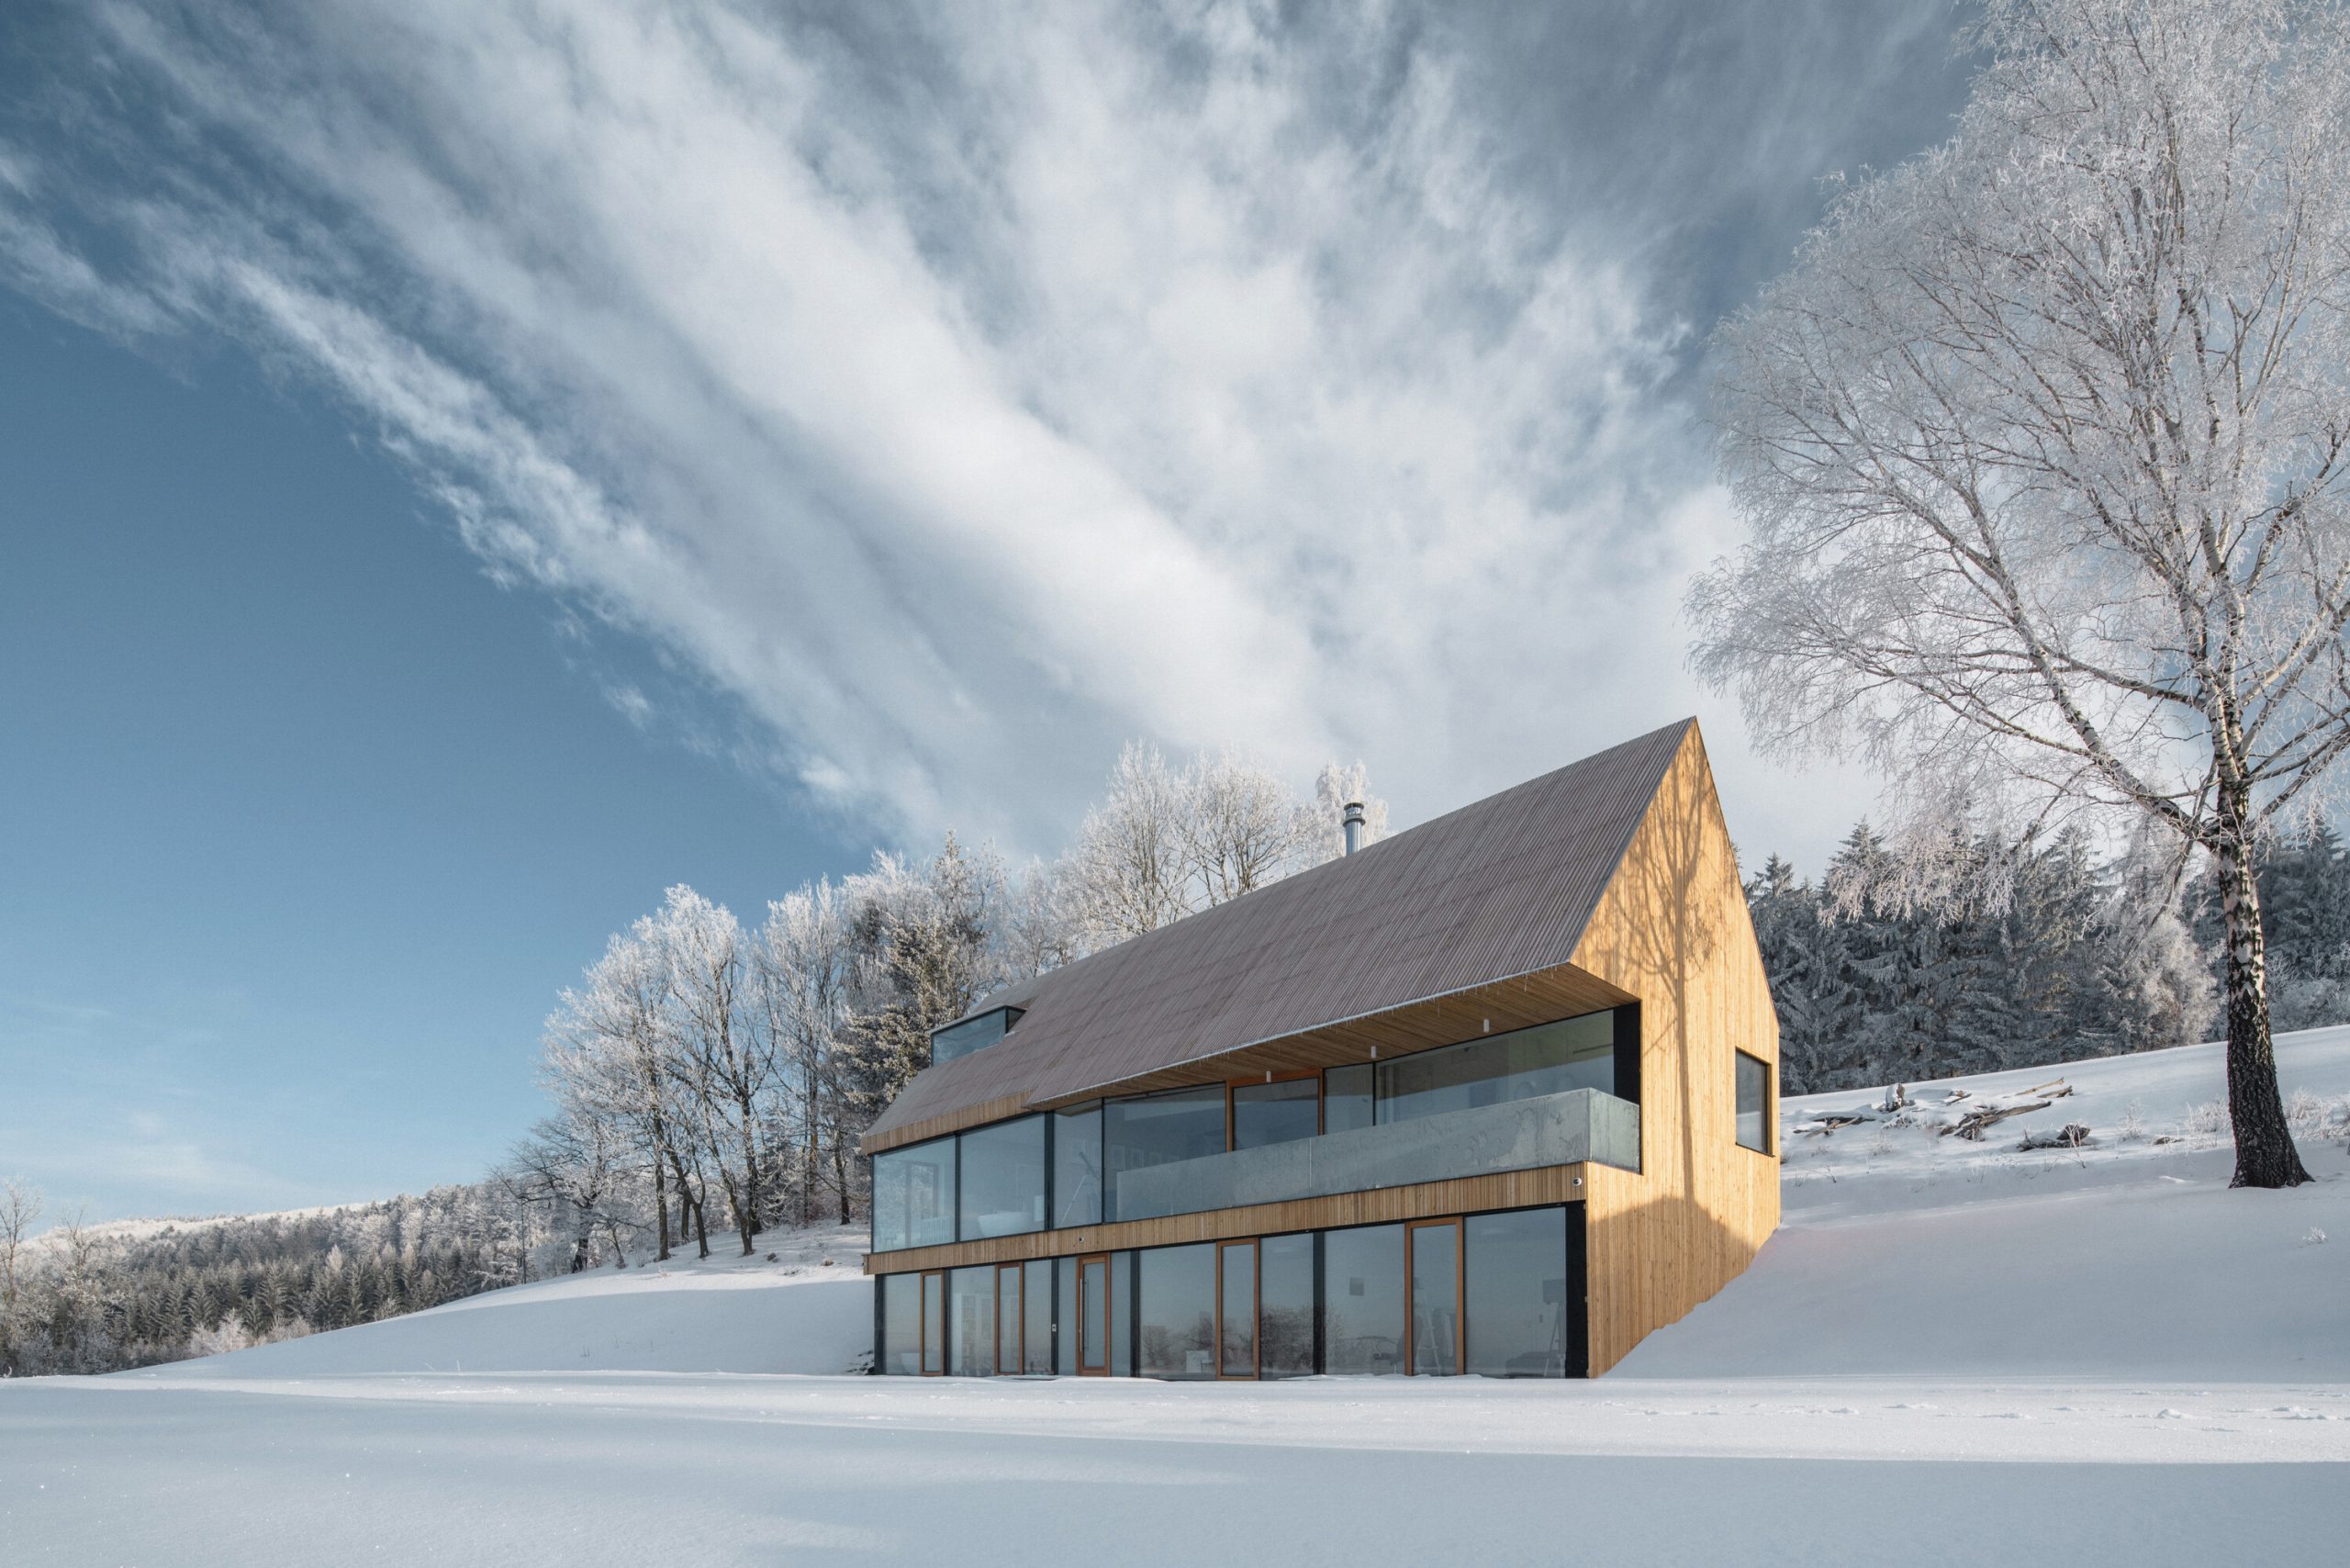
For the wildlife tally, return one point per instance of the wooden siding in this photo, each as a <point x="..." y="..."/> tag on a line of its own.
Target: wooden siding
<point x="1426" y="1200"/>
<point x="1673" y="929"/>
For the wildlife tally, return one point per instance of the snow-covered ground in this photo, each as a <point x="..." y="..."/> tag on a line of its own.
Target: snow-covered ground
<point x="1953" y="1352"/>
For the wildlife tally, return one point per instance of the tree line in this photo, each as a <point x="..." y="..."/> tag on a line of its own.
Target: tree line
<point x="83" y="1298"/>
<point x="1994" y="955"/>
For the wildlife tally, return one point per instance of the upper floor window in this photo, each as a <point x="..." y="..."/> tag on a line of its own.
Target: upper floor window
<point x="1754" y="1104"/>
<point x="1549" y="1058"/>
<point x="961" y="1038"/>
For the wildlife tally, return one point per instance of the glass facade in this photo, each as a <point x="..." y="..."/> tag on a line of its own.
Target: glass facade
<point x="1002" y="1179"/>
<point x="1176" y="1295"/>
<point x="1060" y="1171"/>
<point x="1549" y="1059"/>
<point x="900" y="1324"/>
<point x="913" y="1196"/>
<point x="1077" y="1166"/>
<point x="1753" y="1102"/>
<point x="1285" y="1314"/>
<point x="1275" y="1112"/>
<point x="1157" y="1129"/>
<point x="1362" y="1300"/>
<point x="1345" y="1098"/>
<point x="1496" y="1294"/>
<point x="1517" y="1277"/>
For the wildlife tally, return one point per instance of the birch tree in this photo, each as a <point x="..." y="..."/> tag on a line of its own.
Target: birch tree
<point x="2040" y="445"/>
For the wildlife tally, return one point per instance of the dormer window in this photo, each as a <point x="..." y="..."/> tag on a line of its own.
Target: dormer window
<point x="976" y="1033"/>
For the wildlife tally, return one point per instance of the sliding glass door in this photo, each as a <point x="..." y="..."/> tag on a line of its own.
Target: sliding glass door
<point x="933" y="1324"/>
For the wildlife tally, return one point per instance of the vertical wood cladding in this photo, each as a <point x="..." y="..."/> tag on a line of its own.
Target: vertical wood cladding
<point x="1672" y="929"/>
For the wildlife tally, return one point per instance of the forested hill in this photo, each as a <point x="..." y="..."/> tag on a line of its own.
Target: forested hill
<point x="100" y="1298"/>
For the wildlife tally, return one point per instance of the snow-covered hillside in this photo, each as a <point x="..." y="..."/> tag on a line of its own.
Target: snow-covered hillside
<point x="1904" y="1249"/>
<point x="801" y="1305"/>
<point x="2170" y="1359"/>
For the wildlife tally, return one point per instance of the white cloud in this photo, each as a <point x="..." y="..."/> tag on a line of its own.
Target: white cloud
<point x="962" y="411"/>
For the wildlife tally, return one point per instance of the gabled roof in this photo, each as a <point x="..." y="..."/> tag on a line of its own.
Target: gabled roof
<point x="1496" y="889"/>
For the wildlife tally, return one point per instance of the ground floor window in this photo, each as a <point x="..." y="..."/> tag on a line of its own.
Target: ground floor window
<point x="1495" y="1294"/>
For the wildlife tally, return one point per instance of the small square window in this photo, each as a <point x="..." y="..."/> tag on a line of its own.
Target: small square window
<point x="1754" y="1104"/>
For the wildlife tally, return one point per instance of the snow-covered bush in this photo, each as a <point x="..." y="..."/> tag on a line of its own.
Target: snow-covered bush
<point x="2132" y="1127"/>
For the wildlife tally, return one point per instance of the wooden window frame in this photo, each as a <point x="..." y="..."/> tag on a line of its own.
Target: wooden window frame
<point x="1769" y="1102"/>
<point x="1460" y="1296"/>
<point x="1257" y="1081"/>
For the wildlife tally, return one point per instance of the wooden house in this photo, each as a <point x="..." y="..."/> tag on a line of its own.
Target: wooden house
<point x="1494" y="1095"/>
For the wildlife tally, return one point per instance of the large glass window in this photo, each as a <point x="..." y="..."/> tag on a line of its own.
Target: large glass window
<point x="934" y="1322"/>
<point x="1077" y="1166"/>
<point x="1178" y="1301"/>
<point x="1156" y="1130"/>
<point x="902" y="1324"/>
<point x="1549" y="1059"/>
<point x="1345" y="1098"/>
<point x="1436" y="1299"/>
<point x="1275" y="1112"/>
<point x="1753" y="1102"/>
<point x="1518" y="1317"/>
<point x="1362" y="1300"/>
<point x="913" y="1196"/>
<point x="1036" y="1301"/>
<point x="1285" y="1305"/>
<point x="1004" y="1178"/>
<point x="1065" y="1272"/>
<point x="1121" y="1315"/>
<point x="1235" y="1264"/>
<point x="970" y="1322"/>
<point x="1009" y="1320"/>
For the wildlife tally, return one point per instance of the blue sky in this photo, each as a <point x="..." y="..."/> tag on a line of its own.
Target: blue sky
<point x="466" y="465"/>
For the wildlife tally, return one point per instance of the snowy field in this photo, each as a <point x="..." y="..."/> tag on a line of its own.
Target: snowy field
<point x="1954" y="1352"/>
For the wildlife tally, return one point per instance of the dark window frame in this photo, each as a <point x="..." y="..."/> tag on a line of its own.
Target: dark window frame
<point x="1768" y="1146"/>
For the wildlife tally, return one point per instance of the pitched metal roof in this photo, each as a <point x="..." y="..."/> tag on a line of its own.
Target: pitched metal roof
<point x="1495" y="889"/>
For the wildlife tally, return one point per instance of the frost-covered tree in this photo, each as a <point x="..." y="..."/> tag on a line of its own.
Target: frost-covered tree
<point x="20" y="1206"/>
<point x="805" y="958"/>
<point x="2040" y="445"/>
<point x="1166" y="842"/>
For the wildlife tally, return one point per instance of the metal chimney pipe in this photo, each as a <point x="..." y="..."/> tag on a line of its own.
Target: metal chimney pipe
<point x="1353" y="821"/>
